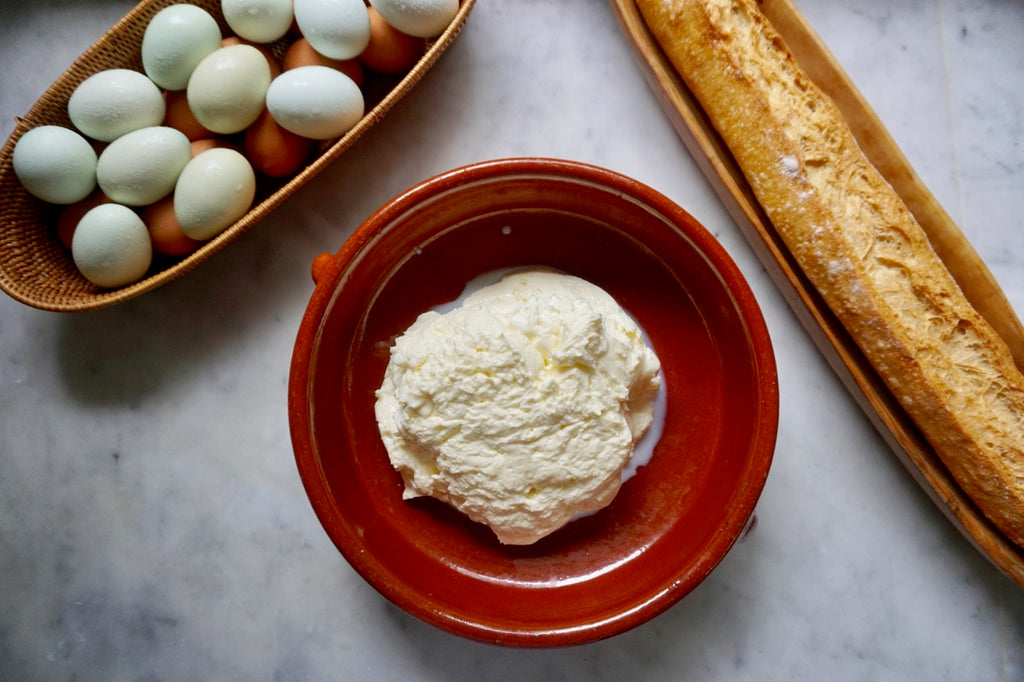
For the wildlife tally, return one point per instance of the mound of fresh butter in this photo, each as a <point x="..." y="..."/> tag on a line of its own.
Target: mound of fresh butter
<point x="521" y="406"/>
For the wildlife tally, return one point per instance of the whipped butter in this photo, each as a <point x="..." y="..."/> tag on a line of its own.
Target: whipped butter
<point x="521" y="406"/>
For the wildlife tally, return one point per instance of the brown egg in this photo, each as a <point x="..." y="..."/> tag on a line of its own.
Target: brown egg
<point x="390" y="51"/>
<point x="201" y="145"/>
<point x="301" y="53"/>
<point x="164" y="231"/>
<point x="274" y="151"/>
<point x="72" y="213"/>
<point x="275" y="67"/>
<point x="180" y="117"/>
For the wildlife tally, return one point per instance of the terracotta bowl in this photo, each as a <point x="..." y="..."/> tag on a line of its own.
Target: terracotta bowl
<point x="670" y="524"/>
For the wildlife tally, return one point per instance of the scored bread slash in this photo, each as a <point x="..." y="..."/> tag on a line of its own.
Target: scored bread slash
<point x="858" y="244"/>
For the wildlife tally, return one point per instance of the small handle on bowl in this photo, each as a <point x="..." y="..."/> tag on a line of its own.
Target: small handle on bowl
<point x="321" y="268"/>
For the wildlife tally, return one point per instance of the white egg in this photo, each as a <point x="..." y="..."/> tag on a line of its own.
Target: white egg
<point x="420" y="18"/>
<point x="214" y="190"/>
<point x="227" y="90"/>
<point x="111" y="246"/>
<point x="261" y="21"/>
<point x="141" y="167"/>
<point x="315" y="101"/>
<point x="339" y="29"/>
<point x="175" y="41"/>
<point x="113" y="102"/>
<point x="55" y="164"/>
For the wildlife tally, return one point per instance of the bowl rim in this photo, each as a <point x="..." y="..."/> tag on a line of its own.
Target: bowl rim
<point x="328" y="269"/>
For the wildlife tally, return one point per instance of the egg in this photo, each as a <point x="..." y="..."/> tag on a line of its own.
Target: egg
<point x="261" y="21"/>
<point x="268" y="54"/>
<point x="301" y="53"/>
<point x="70" y="214"/>
<point x="201" y="145"/>
<point x="55" y="164"/>
<point x="214" y="190"/>
<point x="113" y="102"/>
<point x="274" y="151"/>
<point x="389" y="50"/>
<point x="142" y="166"/>
<point x="315" y="101"/>
<point x="420" y="18"/>
<point x="111" y="246"/>
<point x="175" y="41"/>
<point x="227" y="89"/>
<point x="180" y="117"/>
<point x="165" y="232"/>
<point x="339" y="29"/>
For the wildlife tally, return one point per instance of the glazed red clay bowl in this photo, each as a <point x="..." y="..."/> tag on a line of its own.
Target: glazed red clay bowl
<point x="670" y="524"/>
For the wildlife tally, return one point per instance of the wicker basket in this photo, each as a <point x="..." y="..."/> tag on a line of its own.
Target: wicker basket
<point x="36" y="269"/>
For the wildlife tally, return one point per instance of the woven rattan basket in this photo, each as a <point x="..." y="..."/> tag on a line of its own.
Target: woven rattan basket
<point x="36" y="269"/>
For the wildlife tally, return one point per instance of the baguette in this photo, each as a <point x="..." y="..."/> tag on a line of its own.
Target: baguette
<point x="858" y="244"/>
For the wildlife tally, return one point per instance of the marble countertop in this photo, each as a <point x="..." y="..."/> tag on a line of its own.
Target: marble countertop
<point x="152" y="524"/>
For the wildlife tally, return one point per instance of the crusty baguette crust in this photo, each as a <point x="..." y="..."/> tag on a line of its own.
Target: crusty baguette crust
<point x="857" y="243"/>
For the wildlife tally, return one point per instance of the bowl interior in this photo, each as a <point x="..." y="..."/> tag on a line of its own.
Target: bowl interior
<point x="668" y="526"/>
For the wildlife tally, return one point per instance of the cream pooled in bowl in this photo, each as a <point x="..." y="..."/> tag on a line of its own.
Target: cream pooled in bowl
<point x="520" y="407"/>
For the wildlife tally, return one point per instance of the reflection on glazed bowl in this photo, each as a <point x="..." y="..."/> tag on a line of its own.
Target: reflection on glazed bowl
<point x="670" y="524"/>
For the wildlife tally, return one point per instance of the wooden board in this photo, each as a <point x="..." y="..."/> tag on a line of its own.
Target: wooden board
<point x="829" y="336"/>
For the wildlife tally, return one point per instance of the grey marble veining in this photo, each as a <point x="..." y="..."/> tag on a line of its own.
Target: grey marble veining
<point x="152" y="524"/>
